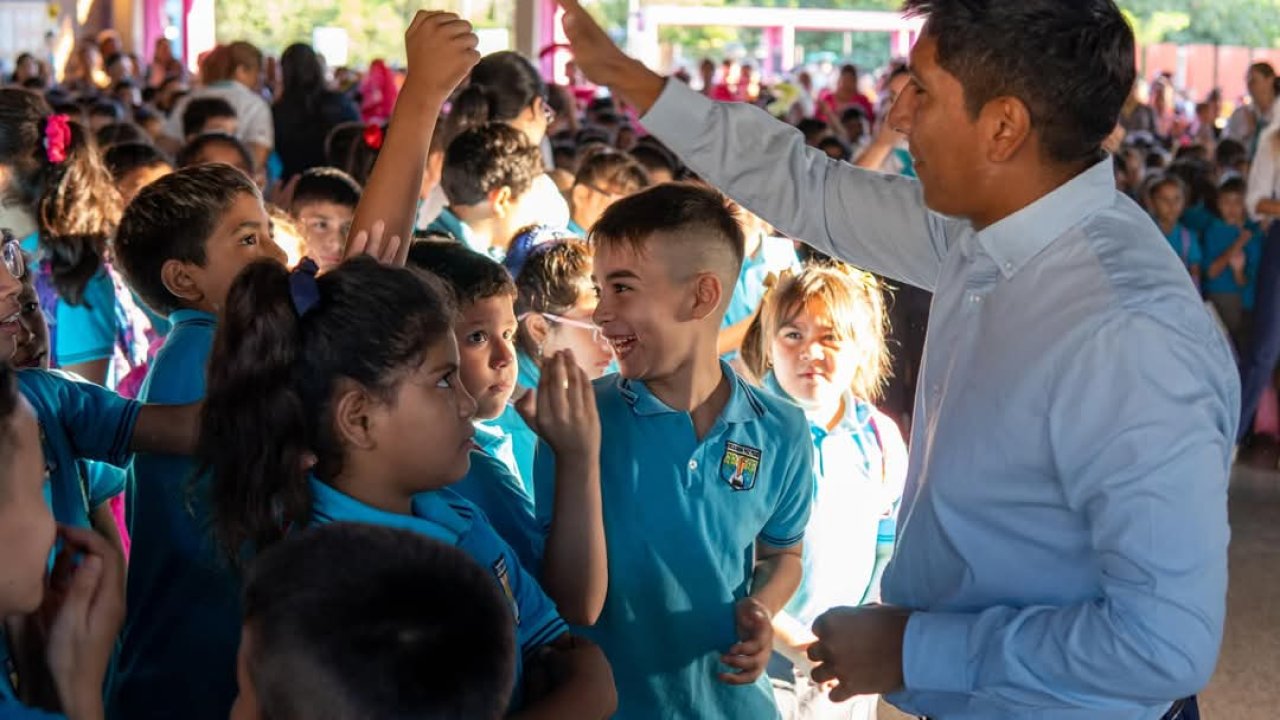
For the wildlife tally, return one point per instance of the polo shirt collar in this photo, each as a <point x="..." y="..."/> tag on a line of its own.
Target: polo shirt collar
<point x="489" y="436"/>
<point x="744" y="404"/>
<point x="185" y="315"/>
<point x="1015" y="240"/>
<point x="432" y="516"/>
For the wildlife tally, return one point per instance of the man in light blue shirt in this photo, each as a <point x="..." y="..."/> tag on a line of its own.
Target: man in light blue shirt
<point x="1063" y="534"/>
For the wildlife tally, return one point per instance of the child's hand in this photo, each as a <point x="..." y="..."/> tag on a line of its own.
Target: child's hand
<point x="389" y="251"/>
<point x="441" y="48"/>
<point x="88" y="609"/>
<point x="755" y="635"/>
<point x="563" y="410"/>
<point x="1237" y="261"/>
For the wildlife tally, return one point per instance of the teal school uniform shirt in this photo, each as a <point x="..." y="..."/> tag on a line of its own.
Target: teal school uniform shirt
<point x="1219" y="238"/>
<point x="1186" y="244"/>
<point x="681" y="518"/>
<point x="577" y="230"/>
<point x="524" y="442"/>
<point x="491" y="486"/>
<point x="1198" y="218"/>
<point x="445" y="516"/>
<point x="182" y="620"/>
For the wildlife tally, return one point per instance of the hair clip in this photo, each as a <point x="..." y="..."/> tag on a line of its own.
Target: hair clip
<point x="57" y="138"/>
<point x="303" y="289"/>
<point x="373" y="136"/>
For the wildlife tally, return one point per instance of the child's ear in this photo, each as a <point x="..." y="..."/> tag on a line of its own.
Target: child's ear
<point x="578" y="196"/>
<point x="179" y="281"/>
<point x="500" y="201"/>
<point x="537" y="327"/>
<point x="707" y="293"/>
<point x="352" y="417"/>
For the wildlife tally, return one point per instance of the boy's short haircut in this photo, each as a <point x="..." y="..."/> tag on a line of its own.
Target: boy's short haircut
<point x="172" y="219"/>
<point x="611" y="169"/>
<point x="486" y="158"/>
<point x="471" y="275"/>
<point x="655" y="156"/>
<point x="107" y="108"/>
<point x="201" y="110"/>
<point x="325" y="184"/>
<point x="700" y="215"/>
<point x="127" y="157"/>
<point x="119" y="133"/>
<point x="356" y="621"/>
<point x="841" y="146"/>
<point x="191" y="152"/>
<point x="1230" y="153"/>
<point x="1233" y="184"/>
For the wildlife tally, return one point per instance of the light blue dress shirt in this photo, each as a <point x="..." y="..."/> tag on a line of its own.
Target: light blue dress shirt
<point x="1063" y="534"/>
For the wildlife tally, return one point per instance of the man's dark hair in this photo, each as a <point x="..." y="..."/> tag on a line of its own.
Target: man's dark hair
<point x="697" y="213"/>
<point x="172" y="219"/>
<point x="349" y="620"/>
<point x="483" y="159"/>
<point x="124" y="158"/>
<point x="201" y="110"/>
<point x="1070" y="62"/>
<point x="326" y="184"/>
<point x="471" y="275"/>
<point x="191" y="153"/>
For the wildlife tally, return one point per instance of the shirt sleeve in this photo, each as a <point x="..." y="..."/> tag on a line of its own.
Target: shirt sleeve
<point x="104" y="481"/>
<point x="544" y="487"/>
<point x="258" y="128"/>
<point x="877" y="222"/>
<point x="98" y="422"/>
<point x="1143" y="453"/>
<point x="785" y="527"/>
<point x="87" y="332"/>
<point x="539" y="622"/>
<point x="1262" y="174"/>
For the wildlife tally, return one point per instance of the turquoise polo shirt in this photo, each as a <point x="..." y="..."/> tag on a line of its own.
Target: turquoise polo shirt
<point x="182" y="619"/>
<point x="748" y="291"/>
<point x="446" y="516"/>
<point x="524" y="442"/>
<point x="11" y="709"/>
<point x="450" y="224"/>
<point x="681" y="519"/>
<point x="576" y="229"/>
<point x="79" y="422"/>
<point x="80" y="333"/>
<point x="1187" y="245"/>
<point x="1217" y="240"/>
<point x="491" y="486"/>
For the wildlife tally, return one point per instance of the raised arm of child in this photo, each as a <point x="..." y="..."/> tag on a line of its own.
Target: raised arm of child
<point x="441" y="50"/>
<point x="575" y="569"/>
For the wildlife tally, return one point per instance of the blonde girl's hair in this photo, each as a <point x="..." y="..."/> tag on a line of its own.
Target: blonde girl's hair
<point x="855" y="302"/>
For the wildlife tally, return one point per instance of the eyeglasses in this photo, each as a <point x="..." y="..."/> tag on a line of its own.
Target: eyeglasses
<point x="11" y="251"/>
<point x="613" y="196"/>
<point x="581" y="324"/>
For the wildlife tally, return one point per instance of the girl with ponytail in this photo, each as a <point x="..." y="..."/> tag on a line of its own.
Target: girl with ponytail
<point x="58" y="194"/>
<point x="338" y="400"/>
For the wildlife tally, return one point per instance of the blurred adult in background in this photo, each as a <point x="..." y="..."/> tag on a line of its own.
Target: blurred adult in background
<point x="306" y="111"/>
<point x="1249" y="121"/>
<point x="164" y="65"/>
<point x="378" y="93"/>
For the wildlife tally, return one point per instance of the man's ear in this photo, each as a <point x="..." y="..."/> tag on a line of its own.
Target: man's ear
<point x="1005" y="123"/>
<point x="180" y="280"/>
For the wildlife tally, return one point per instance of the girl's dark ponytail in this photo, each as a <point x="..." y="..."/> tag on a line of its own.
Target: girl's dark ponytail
<point x="472" y="108"/>
<point x="253" y="435"/>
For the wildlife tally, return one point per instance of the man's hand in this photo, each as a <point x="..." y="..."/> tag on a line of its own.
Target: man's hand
<point x="441" y="50"/>
<point x="861" y="649"/>
<point x="604" y="63"/>
<point x="750" y="656"/>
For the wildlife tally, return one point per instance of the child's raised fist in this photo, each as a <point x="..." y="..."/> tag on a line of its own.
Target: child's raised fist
<point x="441" y="50"/>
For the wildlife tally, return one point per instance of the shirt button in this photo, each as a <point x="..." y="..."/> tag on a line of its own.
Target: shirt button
<point x="693" y="464"/>
<point x="1008" y="267"/>
<point x="974" y="298"/>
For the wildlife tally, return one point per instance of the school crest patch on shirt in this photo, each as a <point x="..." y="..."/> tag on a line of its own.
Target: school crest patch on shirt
<point x="739" y="466"/>
<point x="504" y="579"/>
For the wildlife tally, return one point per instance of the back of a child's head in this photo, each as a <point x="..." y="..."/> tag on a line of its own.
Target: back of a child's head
<point x="554" y="279"/>
<point x="353" y="148"/>
<point x="173" y="219"/>
<point x="471" y="276"/>
<point x="200" y="111"/>
<point x="357" y="621"/>
<point x="120" y="133"/>
<point x="501" y="87"/>
<point x="216" y="147"/>
<point x="655" y="158"/>
<point x="325" y="185"/>
<point x="1234" y="185"/>
<point x="486" y="158"/>
<point x="125" y="158"/>
<point x="275" y="368"/>
<point x="613" y="171"/>
<point x="852" y="301"/>
<point x="1230" y="154"/>
<point x="694" y="221"/>
<point x="55" y="172"/>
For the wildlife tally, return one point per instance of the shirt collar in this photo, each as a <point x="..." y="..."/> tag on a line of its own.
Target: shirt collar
<point x="1015" y="240"/>
<point x="744" y="404"/>
<point x="185" y="315"/>
<point x="489" y="436"/>
<point x="528" y="372"/>
<point x="432" y="516"/>
<point x="855" y="418"/>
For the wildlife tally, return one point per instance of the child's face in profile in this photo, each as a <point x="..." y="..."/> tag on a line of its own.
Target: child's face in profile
<point x="486" y="331"/>
<point x="241" y="237"/>
<point x="33" y="342"/>
<point x="576" y="332"/>
<point x="134" y="181"/>
<point x="27" y="529"/>
<point x="643" y="309"/>
<point x="1167" y="203"/>
<point x="1231" y="205"/>
<point x="325" y="226"/>
<point x="812" y="363"/>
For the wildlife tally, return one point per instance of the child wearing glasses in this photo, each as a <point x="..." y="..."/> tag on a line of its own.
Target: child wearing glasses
<point x="603" y="178"/>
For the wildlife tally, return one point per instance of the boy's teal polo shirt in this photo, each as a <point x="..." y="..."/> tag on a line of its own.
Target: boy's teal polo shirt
<point x="1217" y="240"/>
<point x="491" y="486"/>
<point x="79" y="421"/>
<point x="682" y="518"/>
<point x="446" y="516"/>
<point x="182" y="619"/>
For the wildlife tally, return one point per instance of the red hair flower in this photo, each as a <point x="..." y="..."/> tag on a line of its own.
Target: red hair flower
<point x="373" y="136"/>
<point x="57" y="138"/>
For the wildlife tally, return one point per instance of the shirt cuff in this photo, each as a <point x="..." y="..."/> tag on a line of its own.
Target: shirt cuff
<point x="677" y="109"/>
<point x="935" y="653"/>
